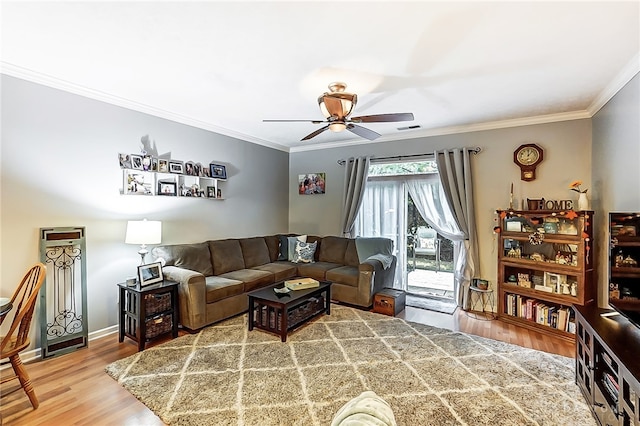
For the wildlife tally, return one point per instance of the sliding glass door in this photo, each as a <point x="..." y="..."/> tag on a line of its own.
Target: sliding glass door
<point x="425" y="258"/>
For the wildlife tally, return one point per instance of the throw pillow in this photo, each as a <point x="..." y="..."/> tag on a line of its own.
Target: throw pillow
<point x="292" y="245"/>
<point x="283" y="253"/>
<point x="304" y="252"/>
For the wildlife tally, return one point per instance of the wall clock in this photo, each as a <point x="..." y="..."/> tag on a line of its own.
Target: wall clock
<point x="527" y="157"/>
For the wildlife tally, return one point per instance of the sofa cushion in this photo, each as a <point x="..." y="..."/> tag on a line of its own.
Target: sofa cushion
<point x="332" y="250"/>
<point x="304" y="252"/>
<point x="274" y="247"/>
<point x="252" y="278"/>
<point x="318" y="241"/>
<point x="254" y="251"/>
<point x="219" y="288"/>
<point x="351" y="255"/>
<point x="344" y="275"/>
<point x="316" y="270"/>
<point x="281" y="270"/>
<point x="226" y="256"/>
<point x="195" y="257"/>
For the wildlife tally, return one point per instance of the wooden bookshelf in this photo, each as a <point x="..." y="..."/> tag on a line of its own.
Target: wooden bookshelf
<point x="545" y="266"/>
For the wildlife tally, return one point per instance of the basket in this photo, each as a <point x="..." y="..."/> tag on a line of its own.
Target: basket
<point x="156" y="303"/>
<point x="158" y="325"/>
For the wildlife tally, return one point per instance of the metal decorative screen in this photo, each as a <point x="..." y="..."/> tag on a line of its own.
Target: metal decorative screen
<point x="63" y="297"/>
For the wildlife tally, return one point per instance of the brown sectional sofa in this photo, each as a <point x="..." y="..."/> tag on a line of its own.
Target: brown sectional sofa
<point x="215" y="276"/>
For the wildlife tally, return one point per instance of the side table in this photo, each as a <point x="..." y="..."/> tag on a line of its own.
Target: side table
<point x="148" y="312"/>
<point x="481" y="303"/>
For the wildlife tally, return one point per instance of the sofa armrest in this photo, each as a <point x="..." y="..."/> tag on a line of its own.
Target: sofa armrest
<point x="372" y="277"/>
<point x="192" y="296"/>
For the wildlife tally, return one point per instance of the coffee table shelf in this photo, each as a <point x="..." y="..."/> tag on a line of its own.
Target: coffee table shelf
<point x="281" y="313"/>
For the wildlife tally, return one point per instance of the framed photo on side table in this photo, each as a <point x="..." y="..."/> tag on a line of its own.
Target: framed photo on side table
<point x="150" y="274"/>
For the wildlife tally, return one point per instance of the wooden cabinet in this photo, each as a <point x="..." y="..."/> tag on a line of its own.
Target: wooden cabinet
<point x="607" y="368"/>
<point x="545" y="265"/>
<point x="624" y="256"/>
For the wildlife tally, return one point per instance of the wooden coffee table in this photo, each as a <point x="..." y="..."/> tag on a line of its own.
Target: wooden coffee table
<point x="279" y="313"/>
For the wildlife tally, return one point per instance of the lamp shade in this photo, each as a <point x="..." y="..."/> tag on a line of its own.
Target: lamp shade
<point x="143" y="232"/>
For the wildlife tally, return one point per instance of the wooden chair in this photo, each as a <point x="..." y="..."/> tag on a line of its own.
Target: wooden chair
<point x="17" y="339"/>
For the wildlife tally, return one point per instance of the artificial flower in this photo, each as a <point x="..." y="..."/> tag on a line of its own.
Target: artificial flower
<point x="575" y="186"/>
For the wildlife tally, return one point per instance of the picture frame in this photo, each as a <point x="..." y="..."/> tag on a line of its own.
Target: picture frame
<point x="513" y="226"/>
<point x="125" y="160"/>
<point x="312" y="183"/>
<point x="154" y="164"/>
<point x="147" y="161"/>
<point x="219" y="193"/>
<point x="163" y="165"/>
<point x="136" y="162"/>
<point x="197" y="169"/>
<point x="176" y="167"/>
<point x="150" y="273"/>
<point x="211" y="192"/>
<point x="189" y="168"/>
<point x="218" y="171"/>
<point x="167" y="188"/>
<point x="553" y="282"/>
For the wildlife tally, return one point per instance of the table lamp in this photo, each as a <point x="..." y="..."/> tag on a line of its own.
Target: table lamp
<point x="143" y="232"/>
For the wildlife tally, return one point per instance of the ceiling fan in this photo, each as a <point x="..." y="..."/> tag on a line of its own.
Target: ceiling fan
<point x="337" y="105"/>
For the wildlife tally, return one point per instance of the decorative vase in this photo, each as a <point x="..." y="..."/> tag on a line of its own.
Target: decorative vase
<point x="583" y="201"/>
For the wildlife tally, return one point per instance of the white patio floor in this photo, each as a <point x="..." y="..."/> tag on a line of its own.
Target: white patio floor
<point x="431" y="283"/>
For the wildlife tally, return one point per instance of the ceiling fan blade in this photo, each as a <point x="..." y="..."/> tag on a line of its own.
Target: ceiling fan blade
<point x="294" y="120"/>
<point x="362" y="131"/>
<point x="383" y="118"/>
<point x="314" y="134"/>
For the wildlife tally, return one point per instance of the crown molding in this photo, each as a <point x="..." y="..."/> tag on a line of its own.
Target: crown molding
<point x="56" y="83"/>
<point x="620" y="80"/>
<point x="450" y="130"/>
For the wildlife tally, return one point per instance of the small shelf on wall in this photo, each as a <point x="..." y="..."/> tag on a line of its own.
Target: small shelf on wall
<point x="146" y="179"/>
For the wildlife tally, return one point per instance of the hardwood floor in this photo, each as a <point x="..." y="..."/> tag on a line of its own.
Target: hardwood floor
<point x="74" y="389"/>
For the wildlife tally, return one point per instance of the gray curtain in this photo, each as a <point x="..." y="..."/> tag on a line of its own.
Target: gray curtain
<point x="355" y="179"/>
<point x="454" y="167"/>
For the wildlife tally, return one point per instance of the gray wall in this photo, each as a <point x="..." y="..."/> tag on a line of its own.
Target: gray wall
<point x="616" y="171"/>
<point x="59" y="168"/>
<point x="567" y="157"/>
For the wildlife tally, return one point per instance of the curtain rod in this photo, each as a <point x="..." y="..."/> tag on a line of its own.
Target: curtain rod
<point x="475" y="150"/>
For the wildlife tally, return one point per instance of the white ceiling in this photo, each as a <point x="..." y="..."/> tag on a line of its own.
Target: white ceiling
<point x="226" y="66"/>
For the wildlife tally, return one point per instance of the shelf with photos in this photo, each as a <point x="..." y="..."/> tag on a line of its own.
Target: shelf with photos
<point x="151" y="176"/>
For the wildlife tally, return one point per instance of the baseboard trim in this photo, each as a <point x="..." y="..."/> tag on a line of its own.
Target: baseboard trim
<point x="36" y="353"/>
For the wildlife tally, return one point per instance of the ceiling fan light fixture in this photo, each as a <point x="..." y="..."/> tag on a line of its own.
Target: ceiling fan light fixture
<point x="337" y="127"/>
<point x="337" y="103"/>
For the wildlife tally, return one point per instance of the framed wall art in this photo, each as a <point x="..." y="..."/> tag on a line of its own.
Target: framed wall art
<point x="311" y="183"/>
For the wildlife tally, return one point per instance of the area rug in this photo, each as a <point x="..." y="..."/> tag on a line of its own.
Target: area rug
<point x="227" y="375"/>
<point x="445" y="306"/>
